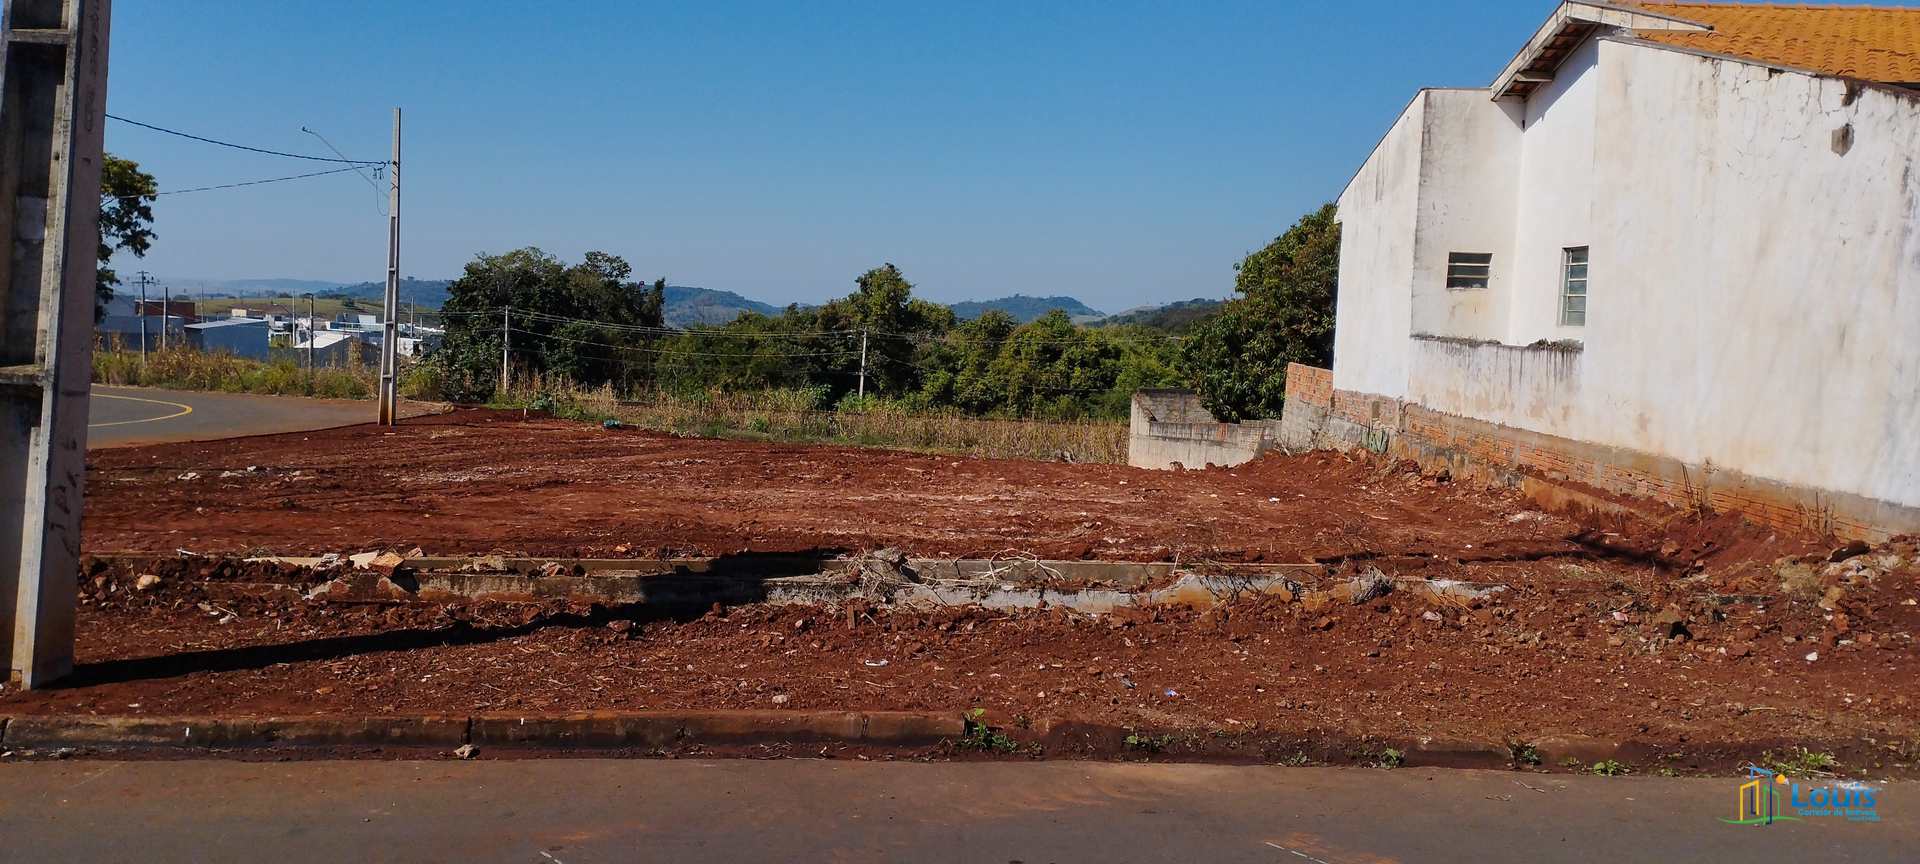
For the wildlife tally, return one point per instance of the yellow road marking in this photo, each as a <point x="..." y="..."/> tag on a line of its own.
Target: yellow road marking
<point x="184" y="410"/>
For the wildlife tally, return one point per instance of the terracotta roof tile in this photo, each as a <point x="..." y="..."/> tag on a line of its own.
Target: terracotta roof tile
<point x="1872" y="43"/>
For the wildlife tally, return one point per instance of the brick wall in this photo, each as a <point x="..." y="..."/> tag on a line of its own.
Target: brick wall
<point x="1310" y="384"/>
<point x="1560" y="468"/>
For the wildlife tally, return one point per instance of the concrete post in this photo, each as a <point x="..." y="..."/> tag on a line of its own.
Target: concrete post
<point x="390" y="310"/>
<point x="53" y="97"/>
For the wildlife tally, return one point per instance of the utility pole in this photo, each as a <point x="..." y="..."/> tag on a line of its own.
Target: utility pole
<point x="863" y="362"/>
<point x="143" y="282"/>
<point x="390" y="315"/>
<point x="506" y="336"/>
<point x="53" y="95"/>
<point x="166" y="310"/>
<point x="310" y="313"/>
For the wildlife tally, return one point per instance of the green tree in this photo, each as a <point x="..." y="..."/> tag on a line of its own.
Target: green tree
<point x="957" y="371"/>
<point x="586" y="321"/>
<point x="896" y="324"/>
<point x="1238" y="358"/>
<point x="1046" y="368"/>
<point x="754" y="352"/>
<point x="126" y="222"/>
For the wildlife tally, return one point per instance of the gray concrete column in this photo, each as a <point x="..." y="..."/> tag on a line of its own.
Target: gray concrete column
<point x="53" y="94"/>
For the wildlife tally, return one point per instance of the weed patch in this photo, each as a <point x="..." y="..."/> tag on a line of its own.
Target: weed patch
<point x="1800" y="760"/>
<point x="980" y="736"/>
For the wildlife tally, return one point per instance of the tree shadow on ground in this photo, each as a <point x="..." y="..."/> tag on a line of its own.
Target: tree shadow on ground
<point x="732" y="580"/>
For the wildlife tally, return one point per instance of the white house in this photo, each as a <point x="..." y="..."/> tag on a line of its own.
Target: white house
<point x="332" y="348"/>
<point x="1672" y="249"/>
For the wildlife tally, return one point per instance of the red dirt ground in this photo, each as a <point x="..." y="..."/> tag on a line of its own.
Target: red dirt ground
<point x="1577" y="646"/>
<point x="483" y="481"/>
<point x="1549" y="658"/>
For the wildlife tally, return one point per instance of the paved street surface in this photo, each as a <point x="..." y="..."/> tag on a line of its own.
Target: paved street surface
<point x="119" y="416"/>
<point x="578" y="810"/>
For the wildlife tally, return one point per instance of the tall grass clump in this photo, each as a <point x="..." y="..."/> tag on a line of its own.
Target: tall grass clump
<point x="189" y="369"/>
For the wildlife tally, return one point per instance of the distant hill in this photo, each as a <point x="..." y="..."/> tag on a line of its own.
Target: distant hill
<point x="429" y="293"/>
<point x="1024" y="308"/>
<point x="245" y="287"/>
<point x="688" y="306"/>
<point x="426" y="292"/>
<point x="1175" y="317"/>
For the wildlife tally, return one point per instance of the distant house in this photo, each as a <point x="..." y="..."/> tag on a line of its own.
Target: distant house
<point x="331" y="348"/>
<point x="121" y="325"/>
<point x="185" y="310"/>
<point x="355" y="323"/>
<point x="241" y="337"/>
<point x="1673" y="250"/>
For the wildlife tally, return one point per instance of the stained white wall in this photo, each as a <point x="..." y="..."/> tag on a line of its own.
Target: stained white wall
<point x="1465" y="204"/>
<point x="1376" y="261"/>
<point x="1755" y="290"/>
<point x="1759" y="305"/>
<point x="1513" y="385"/>
<point x="1555" y="196"/>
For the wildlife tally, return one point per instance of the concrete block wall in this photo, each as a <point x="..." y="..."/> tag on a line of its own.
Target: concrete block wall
<point x="1168" y="405"/>
<point x="1171" y="428"/>
<point x="1560" y="470"/>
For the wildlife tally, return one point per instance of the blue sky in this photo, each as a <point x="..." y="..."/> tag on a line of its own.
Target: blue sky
<point x="1122" y="153"/>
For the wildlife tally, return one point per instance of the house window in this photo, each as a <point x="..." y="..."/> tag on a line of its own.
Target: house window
<point x="1468" y="270"/>
<point x="1573" y="286"/>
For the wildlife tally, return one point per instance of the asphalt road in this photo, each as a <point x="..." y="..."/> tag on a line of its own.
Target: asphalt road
<point x="119" y="416"/>
<point x="569" y="811"/>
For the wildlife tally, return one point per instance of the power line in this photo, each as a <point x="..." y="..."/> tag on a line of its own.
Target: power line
<point x="1088" y="331"/>
<point x="248" y="182"/>
<point x="243" y="146"/>
<point x="919" y="338"/>
<point x="680" y="331"/>
<point x="380" y="204"/>
<point x="672" y="352"/>
<point x="676" y="361"/>
<point x="681" y="357"/>
<point x="947" y="339"/>
<point x="922" y="367"/>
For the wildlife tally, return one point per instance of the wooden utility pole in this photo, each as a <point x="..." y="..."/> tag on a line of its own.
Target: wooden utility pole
<point x="390" y="313"/>
<point x="53" y="98"/>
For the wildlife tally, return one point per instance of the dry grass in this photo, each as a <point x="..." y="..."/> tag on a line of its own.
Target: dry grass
<point x="790" y="415"/>
<point x="188" y="369"/>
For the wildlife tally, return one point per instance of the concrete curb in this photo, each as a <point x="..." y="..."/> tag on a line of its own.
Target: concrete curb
<point x="903" y="732"/>
<point x="1457" y="753"/>
<point x="234" y="732"/>
<point x="1067" y="737"/>
<point x="635" y="729"/>
<point x="663" y="729"/>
